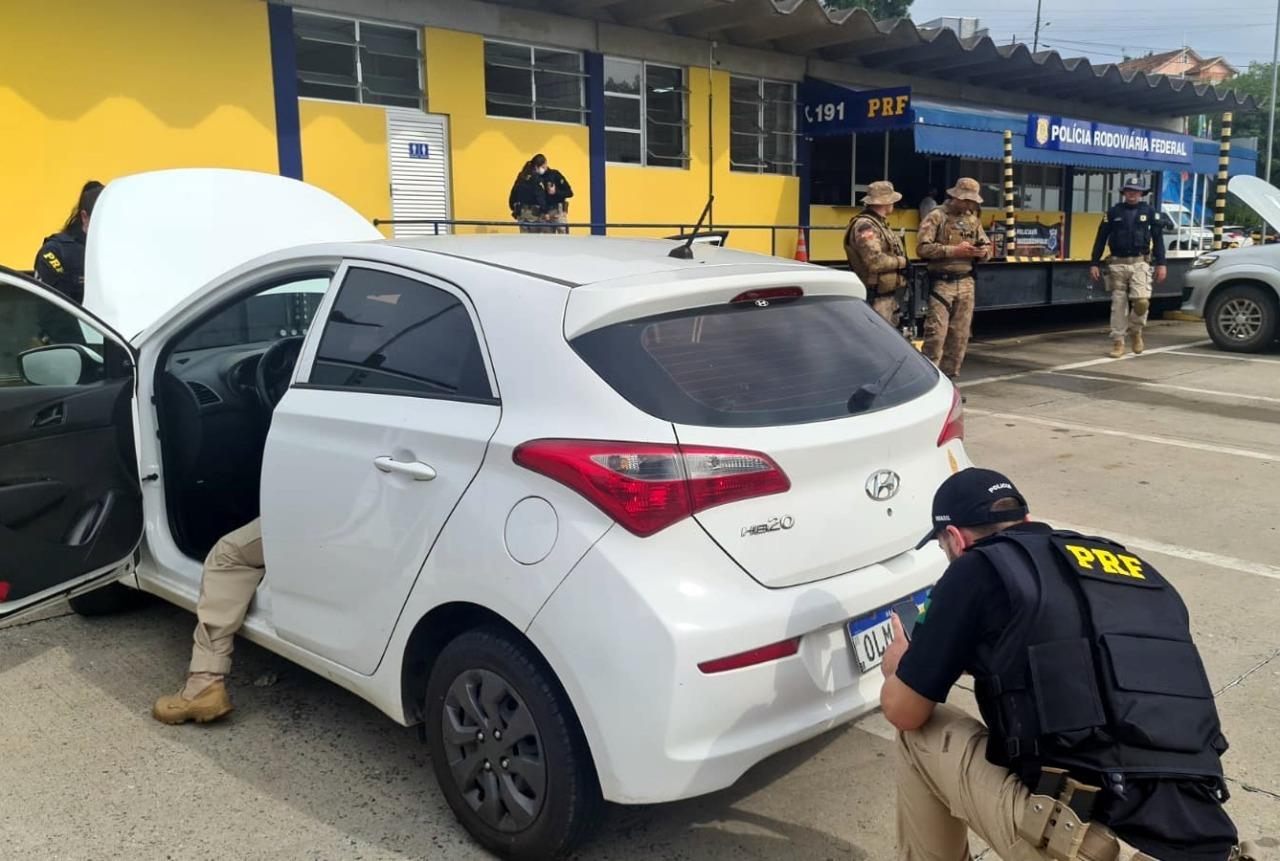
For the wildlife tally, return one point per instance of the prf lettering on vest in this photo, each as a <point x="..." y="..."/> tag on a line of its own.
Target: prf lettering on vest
<point x="889" y="106"/>
<point x="1119" y="564"/>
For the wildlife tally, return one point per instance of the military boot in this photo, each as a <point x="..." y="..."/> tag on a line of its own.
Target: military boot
<point x="210" y="703"/>
<point x="1138" y="346"/>
<point x="1117" y="349"/>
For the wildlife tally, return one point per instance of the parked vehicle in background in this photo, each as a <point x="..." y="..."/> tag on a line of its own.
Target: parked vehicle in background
<point x="1236" y="236"/>
<point x="611" y="523"/>
<point x="1237" y="290"/>
<point x="1181" y="233"/>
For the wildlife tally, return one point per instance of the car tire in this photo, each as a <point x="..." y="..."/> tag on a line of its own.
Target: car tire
<point x="106" y="601"/>
<point x="1241" y="318"/>
<point x="532" y="797"/>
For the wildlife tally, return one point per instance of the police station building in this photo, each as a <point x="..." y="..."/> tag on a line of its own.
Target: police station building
<point x="426" y="109"/>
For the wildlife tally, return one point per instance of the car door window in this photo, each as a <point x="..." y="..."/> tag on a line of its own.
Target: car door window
<point x="42" y="344"/>
<point x="392" y="334"/>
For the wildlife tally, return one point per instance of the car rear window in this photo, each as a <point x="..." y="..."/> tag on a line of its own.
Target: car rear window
<point x="790" y="361"/>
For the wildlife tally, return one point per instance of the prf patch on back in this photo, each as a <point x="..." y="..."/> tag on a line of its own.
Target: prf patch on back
<point x="1106" y="562"/>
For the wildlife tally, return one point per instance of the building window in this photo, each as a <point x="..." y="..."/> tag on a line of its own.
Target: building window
<point x="1096" y="191"/>
<point x="531" y="83"/>
<point x="1038" y="187"/>
<point x="644" y="114"/>
<point x="358" y="61"/>
<point x="762" y="126"/>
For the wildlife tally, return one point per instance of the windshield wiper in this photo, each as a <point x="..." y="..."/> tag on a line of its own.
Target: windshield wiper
<point x="865" y="395"/>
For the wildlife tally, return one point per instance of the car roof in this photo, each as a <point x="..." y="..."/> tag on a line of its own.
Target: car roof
<point x="576" y="261"/>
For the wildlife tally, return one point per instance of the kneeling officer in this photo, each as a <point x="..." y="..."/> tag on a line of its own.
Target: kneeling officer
<point x="1101" y="742"/>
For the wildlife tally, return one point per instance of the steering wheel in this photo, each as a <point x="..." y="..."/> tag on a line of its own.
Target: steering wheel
<point x="271" y="377"/>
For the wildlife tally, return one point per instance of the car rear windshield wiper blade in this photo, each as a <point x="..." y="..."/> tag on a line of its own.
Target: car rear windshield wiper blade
<point x="865" y="395"/>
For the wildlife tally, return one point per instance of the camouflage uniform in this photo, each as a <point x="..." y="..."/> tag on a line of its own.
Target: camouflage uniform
<point x="876" y="255"/>
<point x="951" y="285"/>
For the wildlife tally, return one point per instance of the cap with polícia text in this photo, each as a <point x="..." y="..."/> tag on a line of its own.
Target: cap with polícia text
<point x="965" y="499"/>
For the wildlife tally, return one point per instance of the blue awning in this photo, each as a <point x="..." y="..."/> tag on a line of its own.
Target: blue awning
<point x="955" y="131"/>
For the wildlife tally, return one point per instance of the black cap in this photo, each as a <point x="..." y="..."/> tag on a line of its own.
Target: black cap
<point x="965" y="499"/>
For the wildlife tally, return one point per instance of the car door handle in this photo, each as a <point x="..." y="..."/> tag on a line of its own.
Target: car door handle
<point x="415" y="469"/>
<point x="50" y="416"/>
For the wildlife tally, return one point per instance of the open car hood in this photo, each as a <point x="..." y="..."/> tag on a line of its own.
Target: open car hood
<point x="156" y="238"/>
<point x="1259" y="195"/>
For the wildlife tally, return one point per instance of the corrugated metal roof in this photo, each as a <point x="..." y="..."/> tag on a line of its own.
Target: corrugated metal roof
<point x="806" y="28"/>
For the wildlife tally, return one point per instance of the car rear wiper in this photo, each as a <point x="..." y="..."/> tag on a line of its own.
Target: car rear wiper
<point x="866" y="394"/>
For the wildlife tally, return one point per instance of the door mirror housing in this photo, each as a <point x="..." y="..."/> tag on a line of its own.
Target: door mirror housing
<point x="59" y="365"/>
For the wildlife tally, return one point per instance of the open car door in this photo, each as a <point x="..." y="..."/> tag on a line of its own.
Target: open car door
<point x="70" y="504"/>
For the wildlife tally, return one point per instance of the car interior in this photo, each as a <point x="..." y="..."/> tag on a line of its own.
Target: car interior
<point x="217" y="384"/>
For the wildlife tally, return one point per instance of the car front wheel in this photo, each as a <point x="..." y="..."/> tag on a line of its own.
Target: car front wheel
<point x="1242" y="318"/>
<point x="507" y="749"/>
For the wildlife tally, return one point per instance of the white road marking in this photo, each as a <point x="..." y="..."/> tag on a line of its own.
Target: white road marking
<point x="1146" y="385"/>
<point x="1139" y="437"/>
<point x="1217" y="560"/>
<point x="1087" y="363"/>
<point x="1229" y="357"/>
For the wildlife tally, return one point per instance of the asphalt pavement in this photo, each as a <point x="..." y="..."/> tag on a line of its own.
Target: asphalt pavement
<point x="1175" y="453"/>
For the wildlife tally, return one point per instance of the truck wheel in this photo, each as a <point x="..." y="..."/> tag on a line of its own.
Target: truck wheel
<point x="1242" y="318"/>
<point x="507" y="749"/>
<point x="107" y="600"/>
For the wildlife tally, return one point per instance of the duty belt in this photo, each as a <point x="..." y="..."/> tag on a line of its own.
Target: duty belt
<point x="1126" y="260"/>
<point x="1056" y="820"/>
<point x="950" y="276"/>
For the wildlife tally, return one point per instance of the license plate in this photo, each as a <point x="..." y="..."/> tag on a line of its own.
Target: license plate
<point x="870" y="635"/>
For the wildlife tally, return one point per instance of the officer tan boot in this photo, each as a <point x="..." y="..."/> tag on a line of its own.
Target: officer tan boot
<point x="203" y="699"/>
<point x="1138" y="346"/>
<point x="1117" y="349"/>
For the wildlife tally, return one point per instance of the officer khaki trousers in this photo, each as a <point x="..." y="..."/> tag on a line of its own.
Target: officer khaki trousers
<point x="232" y="572"/>
<point x="949" y="324"/>
<point x="886" y="305"/>
<point x="1129" y="283"/>
<point x="946" y="786"/>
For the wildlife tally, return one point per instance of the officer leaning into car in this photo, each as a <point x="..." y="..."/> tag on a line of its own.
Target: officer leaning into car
<point x="60" y="260"/>
<point x="875" y="251"/>
<point x="1133" y="232"/>
<point x="1102" y="741"/>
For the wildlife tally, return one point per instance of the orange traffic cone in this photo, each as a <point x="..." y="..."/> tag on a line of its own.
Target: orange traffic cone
<point x="802" y="248"/>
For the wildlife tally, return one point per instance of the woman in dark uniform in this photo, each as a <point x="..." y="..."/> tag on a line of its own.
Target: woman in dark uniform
<point x="60" y="261"/>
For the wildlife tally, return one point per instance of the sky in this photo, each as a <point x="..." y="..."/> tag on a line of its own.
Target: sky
<point x="1105" y="30"/>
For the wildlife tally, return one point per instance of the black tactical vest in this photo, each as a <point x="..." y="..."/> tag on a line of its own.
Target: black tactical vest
<point x="1096" y="672"/>
<point x="1131" y="240"/>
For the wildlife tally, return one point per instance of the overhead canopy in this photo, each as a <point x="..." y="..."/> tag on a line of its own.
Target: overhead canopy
<point x="806" y="28"/>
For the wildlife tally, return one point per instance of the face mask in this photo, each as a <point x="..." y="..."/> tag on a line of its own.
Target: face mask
<point x="541" y="170"/>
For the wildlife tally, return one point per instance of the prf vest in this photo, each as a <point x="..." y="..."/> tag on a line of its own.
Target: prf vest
<point x="1130" y="241"/>
<point x="890" y="245"/>
<point x="1096" y="671"/>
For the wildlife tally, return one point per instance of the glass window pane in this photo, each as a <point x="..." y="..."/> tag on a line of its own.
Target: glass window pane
<point x="392" y="334"/>
<point x="508" y="92"/>
<point x="566" y="61"/>
<point x="744" y="152"/>
<point x="664" y="77"/>
<point x="561" y="91"/>
<point x="622" y="112"/>
<point x="324" y="27"/>
<point x="325" y="91"/>
<point x="396" y="76"/>
<point x="744" y="89"/>
<point x="778" y="153"/>
<point x="509" y="55"/>
<point x="1052" y="198"/>
<point x="621" y="76"/>
<point x="744" y="118"/>
<point x="325" y="62"/>
<point x="666" y="146"/>
<point x="623" y="147"/>
<point x="389" y="40"/>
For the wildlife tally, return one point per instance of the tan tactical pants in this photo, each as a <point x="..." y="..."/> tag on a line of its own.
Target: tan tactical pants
<point x="946" y="786"/>
<point x="949" y="324"/>
<point x="557" y="218"/>
<point x="1129" y="283"/>
<point x="232" y="572"/>
<point x="886" y="305"/>
<point x="531" y="220"/>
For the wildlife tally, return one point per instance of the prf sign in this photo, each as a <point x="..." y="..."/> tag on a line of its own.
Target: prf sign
<point x="829" y="109"/>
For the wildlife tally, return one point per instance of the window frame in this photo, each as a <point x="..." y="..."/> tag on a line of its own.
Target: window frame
<point x="762" y="165"/>
<point x="307" y="358"/>
<point x="533" y="69"/>
<point x="643" y="131"/>
<point x="356" y="46"/>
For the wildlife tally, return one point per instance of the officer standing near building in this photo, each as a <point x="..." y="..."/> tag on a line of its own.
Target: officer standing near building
<point x="1132" y="230"/>
<point x="951" y="238"/>
<point x="557" y="191"/>
<point x="875" y="251"/>
<point x="60" y="260"/>
<point x="1102" y="741"/>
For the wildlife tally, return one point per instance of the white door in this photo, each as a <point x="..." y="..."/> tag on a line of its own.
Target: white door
<point x="418" y="147"/>
<point x="368" y="455"/>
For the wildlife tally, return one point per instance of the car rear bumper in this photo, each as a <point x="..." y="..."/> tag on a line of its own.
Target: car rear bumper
<point x="627" y="629"/>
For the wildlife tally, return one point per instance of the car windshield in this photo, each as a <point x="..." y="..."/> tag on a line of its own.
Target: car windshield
<point x="275" y="313"/>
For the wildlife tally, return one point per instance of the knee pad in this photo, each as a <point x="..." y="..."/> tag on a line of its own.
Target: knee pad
<point x="1141" y="306"/>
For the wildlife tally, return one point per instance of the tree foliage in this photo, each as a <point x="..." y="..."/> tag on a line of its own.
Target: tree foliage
<point x="879" y="9"/>
<point x="1254" y="81"/>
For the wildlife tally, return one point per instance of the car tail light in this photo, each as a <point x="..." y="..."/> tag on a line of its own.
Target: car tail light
<point x="768" y="293"/>
<point x="764" y="654"/>
<point x="4" y="590"/>
<point x="953" y="428"/>
<point x="647" y="487"/>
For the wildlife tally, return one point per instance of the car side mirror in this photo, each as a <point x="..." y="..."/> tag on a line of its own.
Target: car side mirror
<point x="56" y="365"/>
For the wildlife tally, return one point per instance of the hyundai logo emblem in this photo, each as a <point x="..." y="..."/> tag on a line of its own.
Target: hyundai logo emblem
<point x="882" y="485"/>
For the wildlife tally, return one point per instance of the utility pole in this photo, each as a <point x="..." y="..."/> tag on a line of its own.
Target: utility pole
<point x="1035" y="46"/>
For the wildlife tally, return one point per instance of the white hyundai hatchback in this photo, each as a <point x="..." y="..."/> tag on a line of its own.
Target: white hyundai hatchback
<point x="611" y="523"/>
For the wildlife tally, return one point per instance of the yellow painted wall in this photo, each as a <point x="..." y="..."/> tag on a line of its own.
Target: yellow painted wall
<point x="344" y="151"/>
<point x="1084" y="229"/>
<point x="828" y="245"/>
<point x="488" y="151"/>
<point x="116" y="87"/>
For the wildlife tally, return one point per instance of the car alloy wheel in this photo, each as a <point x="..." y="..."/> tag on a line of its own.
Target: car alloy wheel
<point x="494" y="750"/>
<point x="1240" y="318"/>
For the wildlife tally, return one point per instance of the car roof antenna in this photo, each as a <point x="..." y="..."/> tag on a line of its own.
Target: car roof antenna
<point x="685" y="252"/>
